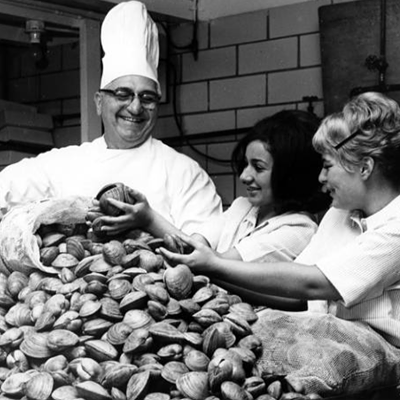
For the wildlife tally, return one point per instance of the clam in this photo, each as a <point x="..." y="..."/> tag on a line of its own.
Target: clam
<point x="157" y="310"/>
<point x="57" y="304"/>
<point x="12" y="337"/>
<point x="165" y="332"/>
<point x="217" y="336"/>
<point x="138" y="385"/>
<point x="179" y="281"/>
<point x="118" y="375"/>
<point x="206" y="317"/>
<point x="36" y="297"/>
<point x="138" y="319"/>
<point x="119" y="288"/>
<point x="6" y="300"/>
<point x="232" y="391"/>
<point x="16" y="282"/>
<point x="75" y="248"/>
<point x="255" y="385"/>
<point x="90" y="390"/>
<point x="244" y="310"/>
<point x="67" y="275"/>
<point x="118" y="333"/>
<point x="196" y="360"/>
<point x="89" y="308"/>
<point x="100" y="265"/>
<point x="17" y="359"/>
<point x="56" y="364"/>
<point x="35" y="345"/>
<point x="170" y="352"/>
<point x="96" y="327"/>
<point x="86" y="369"/>
<point x="193" y="385"/>
<point x="65" y="392"/>
<point x="131" y="245"/>
<point x="172" y="370"/>
<point x="238" y="324"/>
<point x="52" y="239"/>
<point x="203" y="294"/>
<point x="69" y="320"/>
<point x="189" y="306"/>
<point x="113" y="251"/>
<point x="157" y="293"/>
<point x="133" y="300"/>
<point x="84" y="265"/>
<point x="130" y="260"/>
<point x="150" y="261"/>
<point x="40" y="386"/>
<point x="19" y="315"/>
<point x="110" y="309"/>
<point x="65" y="260"/>
<point x="96" y="287"/>
<point x="46" y="319"/>
<point x="141" y="280"/>
<point x="60" y="339"/>
<point x="218" y="304"/>
<point x="117" y="191"/>
<point x="101" y="350"/>
<point x="14" y="385"/>
<point x="138" y="341"/>
<point x="219" y="370"/>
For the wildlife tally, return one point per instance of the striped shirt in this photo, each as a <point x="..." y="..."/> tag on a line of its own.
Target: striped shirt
<point x="361" y="258"/>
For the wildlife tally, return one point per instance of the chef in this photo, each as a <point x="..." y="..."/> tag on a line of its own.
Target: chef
<point x="127" y="102"/>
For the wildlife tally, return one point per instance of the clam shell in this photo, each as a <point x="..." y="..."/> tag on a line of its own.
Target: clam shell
<point x="170" y="352"/>
<point x="118" y="333"/>
<point x="157" y="293"/>
<point x="179" y="281"/>
<point x="117" y="191"/>
<point x="90" y="390"/>
<point x="139" y="341"/>
<point x="157" y="310"/>
<point x="133" y="300"/>
<point x="173" y="370"/>
<point x="138" y="319"/>
<point x="96" y="327"/>
<point x="101" y="350"/>
<point x="12" y="337"/>
<point x="84" y="265"/>
<point x="60" y="339"/>
<point x="165" y="332"/>
<point x="52" y="239"/>
<point x="203" y="295"/>
<point x="233" y="391"/>
<point x="238" y="324"/>
<point x="75" y="248"/>
<point x="119" y="288"/>
<point x="251" y="342"/>
<point x="141" y="280"/>
<point x="138" y="385"/>
<point x="14" y="385"/>
<point x="189" y="306"/>
<point x="118" y="375"/>
<point x="206" y="317"/>
<point x="113" y="251"/>
<point x="150" y="261"/>
<point x="19" y="315"/>
<point x="65" y="260"/>
<point x="196" y="360"/>
<point x="218" y="304"/>
<point x="131" y="245"/>
<point x="16" y="282"/>
<point x="65" y="392"/>
<point x="40" y="386"/>
<point x="193" y="385"/>
<point x="35" y="345"/>
<point x="244" y="310"/>
<point x="89" y="308"/>
<point x="110" y="309"/>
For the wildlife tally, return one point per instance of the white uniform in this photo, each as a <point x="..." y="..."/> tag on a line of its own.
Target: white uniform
<point x="173" y="183"/>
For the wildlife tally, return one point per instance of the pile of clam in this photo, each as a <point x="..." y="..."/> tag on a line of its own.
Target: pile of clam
<point x="116" y="322"/>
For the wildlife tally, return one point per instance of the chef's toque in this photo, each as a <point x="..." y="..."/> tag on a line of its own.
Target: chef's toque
<point x="129" y="38"/>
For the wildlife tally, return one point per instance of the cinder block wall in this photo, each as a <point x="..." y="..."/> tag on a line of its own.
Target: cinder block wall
<point x="248" y="66"/>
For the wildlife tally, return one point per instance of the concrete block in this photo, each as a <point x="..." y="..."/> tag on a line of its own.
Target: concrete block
<point x="197" y="156"/>
<point x="209" y="122"/>
<point x="210" y="64"/>
<point x="192" y="97"/>
<point x="310" y="51"/>
<point x="222" y="151"/>
<point x="13" y="106"/>
<point x="166" y="127"/>
<point x="291" y="86"/>
<point x="60" y="85"/>
<point x="181" y="36"/>
<point x="243" y="28"/>
<point x="248" y="117"/>
<point x="225" y="188"/>
<point x="268" y="56"/>
<point x="295" y="19"/>
<point x="70" y="56"/>
<point x="24" y="90"/>
<point x="25" y="119"/>
<point x="67" y="136"/>
<point x="238" y="92"/>
<point x="12" y="134"/>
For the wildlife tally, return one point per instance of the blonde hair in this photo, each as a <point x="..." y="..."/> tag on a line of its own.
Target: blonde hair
<point x="368" y="126"/>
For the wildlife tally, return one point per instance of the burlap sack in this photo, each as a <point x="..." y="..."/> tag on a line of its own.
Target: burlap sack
<point x="19" y="250"/>
<point x="319" y="353"/>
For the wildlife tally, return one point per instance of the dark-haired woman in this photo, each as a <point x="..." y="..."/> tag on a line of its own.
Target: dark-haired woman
<point x="279" y="167"/>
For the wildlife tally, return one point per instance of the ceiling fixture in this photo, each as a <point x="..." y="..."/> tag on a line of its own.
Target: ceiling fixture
<point x="38" y="45"/>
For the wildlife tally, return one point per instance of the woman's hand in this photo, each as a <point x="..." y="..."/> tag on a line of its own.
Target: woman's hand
<point x="201" y="260"/>
<point x="135" y="216"/>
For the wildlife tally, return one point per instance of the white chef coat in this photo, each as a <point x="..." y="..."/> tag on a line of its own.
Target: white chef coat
<point x="174" y="184"/>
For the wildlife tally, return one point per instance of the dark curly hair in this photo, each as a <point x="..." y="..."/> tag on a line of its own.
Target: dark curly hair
<point x="287" y="135"/>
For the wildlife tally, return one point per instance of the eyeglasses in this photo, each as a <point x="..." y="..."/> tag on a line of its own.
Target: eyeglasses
<point x="148" y="100"/>
<point x="344" y="141"/>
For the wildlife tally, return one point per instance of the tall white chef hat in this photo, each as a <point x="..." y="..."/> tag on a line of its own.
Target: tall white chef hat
<point x="129" y="38"/>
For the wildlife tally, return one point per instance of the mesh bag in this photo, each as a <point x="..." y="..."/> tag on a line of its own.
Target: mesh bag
<point x="19" y="250"/>
<point x="319" y="353"/>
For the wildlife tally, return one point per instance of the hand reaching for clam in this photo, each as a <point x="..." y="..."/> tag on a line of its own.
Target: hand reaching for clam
<point x="199" y="260"/>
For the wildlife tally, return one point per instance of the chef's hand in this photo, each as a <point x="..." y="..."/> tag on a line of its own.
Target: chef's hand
<point x="200" y="260"/>
<point x="135" y="216"/>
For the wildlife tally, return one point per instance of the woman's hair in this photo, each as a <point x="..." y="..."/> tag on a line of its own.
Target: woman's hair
<point x="287" y="135"/>
<point x="368" y="126"/>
